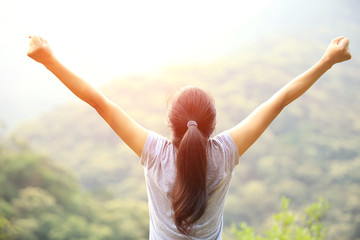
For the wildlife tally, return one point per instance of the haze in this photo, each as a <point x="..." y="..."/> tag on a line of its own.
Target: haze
<point x="104" y="40"/>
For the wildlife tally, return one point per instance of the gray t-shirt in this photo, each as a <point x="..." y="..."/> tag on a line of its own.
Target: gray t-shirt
<point x="158" y="158"/>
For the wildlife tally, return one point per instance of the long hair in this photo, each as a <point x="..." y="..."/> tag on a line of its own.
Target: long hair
<point x="189" y="193"/>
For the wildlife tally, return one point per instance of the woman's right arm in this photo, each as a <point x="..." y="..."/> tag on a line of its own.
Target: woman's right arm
<point x="250" y="129"/>
<point x="132" y="133"/>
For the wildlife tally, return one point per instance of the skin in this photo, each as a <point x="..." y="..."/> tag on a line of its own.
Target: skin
<point x="244" y="134"/>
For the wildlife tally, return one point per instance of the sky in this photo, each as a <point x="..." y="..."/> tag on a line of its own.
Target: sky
<point x="105" y="40"/>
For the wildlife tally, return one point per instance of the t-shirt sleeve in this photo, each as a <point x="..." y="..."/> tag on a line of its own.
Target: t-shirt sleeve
<point x="153" y="147"/>
<point x="229" y="149"/>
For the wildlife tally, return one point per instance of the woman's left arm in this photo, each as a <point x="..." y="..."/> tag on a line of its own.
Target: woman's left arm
<point x="132" y="133"/>
<point x="251" y="128"/>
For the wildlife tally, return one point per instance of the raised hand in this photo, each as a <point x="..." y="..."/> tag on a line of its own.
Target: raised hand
<point x="39" y="50"/>
<point x="338" y="51"/>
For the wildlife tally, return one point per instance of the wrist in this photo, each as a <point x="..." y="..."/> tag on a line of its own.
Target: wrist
<point x="326" y="62"/>
<point x="50" y="63"/>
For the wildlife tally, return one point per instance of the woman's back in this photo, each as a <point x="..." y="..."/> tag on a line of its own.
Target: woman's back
<point x="158" y="158"/>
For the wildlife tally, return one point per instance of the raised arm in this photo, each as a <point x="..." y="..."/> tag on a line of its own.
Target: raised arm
<point x="133" y="134"/>
<point x="250" y="129"/>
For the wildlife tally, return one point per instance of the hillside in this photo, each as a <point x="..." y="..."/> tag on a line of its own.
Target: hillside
<point x="310" y="150"/>
<point x="40" y="199"/>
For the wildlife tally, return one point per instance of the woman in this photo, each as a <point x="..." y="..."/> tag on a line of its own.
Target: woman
<point x="188" y="178"/>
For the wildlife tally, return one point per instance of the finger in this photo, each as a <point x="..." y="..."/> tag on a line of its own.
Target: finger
<point x="43" y="41"/>
<point x="344" y="42"/>
<point x="337" y="39"/>
<point x="349" y="56"/>
<point x="348" y="52"/>
<point x="35" y="38"/>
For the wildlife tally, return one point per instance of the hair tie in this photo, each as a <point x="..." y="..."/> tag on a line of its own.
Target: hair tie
<point x="191" y="123"/>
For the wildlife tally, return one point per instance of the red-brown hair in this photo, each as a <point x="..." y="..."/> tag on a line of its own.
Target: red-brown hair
<point x="189" y="192"/>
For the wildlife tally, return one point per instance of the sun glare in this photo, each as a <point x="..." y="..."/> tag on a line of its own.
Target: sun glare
<point x="125" y="37"/>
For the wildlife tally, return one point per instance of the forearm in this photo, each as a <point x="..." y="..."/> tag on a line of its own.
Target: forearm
<point x="302" y="83"/>
<point x="75" y="84"/>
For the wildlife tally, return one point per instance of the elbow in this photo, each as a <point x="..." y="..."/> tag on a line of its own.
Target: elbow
<point x="93" y="103"/>
<point x="98" y="104"/>
<point x="278" y="103"/>
<point x="283" y="104"/>
<point x="96" y="107"/>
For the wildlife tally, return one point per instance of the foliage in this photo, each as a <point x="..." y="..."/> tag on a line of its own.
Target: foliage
<point x="40" y="200"/>
<point x="287" y="225"/>
<point x="7" y="230"/>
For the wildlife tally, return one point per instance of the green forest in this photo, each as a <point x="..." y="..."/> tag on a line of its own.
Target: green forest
<point x="66" y="175"/>
<point x="41" y="200"/>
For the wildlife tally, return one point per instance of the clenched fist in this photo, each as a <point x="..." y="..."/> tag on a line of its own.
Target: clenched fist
<point x="39" y="50"/>
<point x="338" y="51"/>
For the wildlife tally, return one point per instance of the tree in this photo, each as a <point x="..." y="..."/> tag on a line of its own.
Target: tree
<point x="7" y="230"/>
<point x="288" y="225"/>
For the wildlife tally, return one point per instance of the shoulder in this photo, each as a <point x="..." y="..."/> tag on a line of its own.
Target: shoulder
<point x="155" y="146"/>
<point x="223" y="140"/>
<point x="223" y="146"/>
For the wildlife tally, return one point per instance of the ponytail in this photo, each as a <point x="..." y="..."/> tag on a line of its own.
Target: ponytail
<point x="189" y="193"/>
<point x="192" y="121"/>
